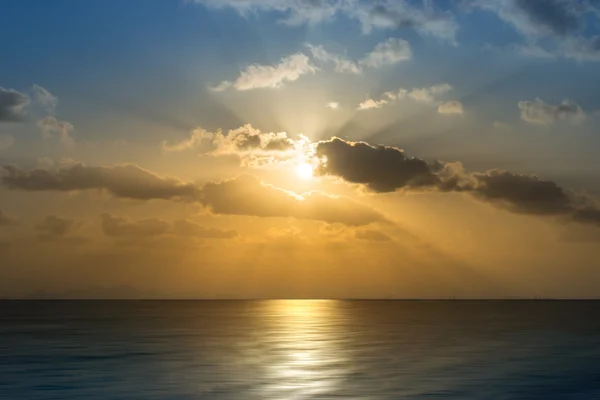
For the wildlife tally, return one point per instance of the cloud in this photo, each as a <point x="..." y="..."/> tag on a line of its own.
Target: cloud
<point x="390" y="52"/>
<point x="333" y="105"/>
<point x="550" y="28"/>
<point x="372" y="235"/>
<point x="390" y="14"/>
<point x="246" y="195"/>
<point x="380" y="168"/>
<point x="191" y="229"/>
<point x="6" y="220"/>
<point x="52" y="127"/>
<point x="255" y="149"/>
<point x="428" y="94"/>
<point x="522" y="193"/>
<point x="581" y="48"/>
<point x="6" y="141"/>
<point x="125" y="181"/>
<point x="55" y="227"/>
<point x="538" y="19"/>
<point x="386" y="14"/>
<point x="196" y="138"/>
<point x="450" y="107"/>
<point x="12" y="104"/>
<point x="119" y="227"/>
<point x="370" y="103"/>
<point x="340" y="62"/>
<point x="44" y="98"/>
<point x="258" y="76"/>
<point x="540" y="112"/>
<point x="387" y="169"/>
<point x="248" y="139"/>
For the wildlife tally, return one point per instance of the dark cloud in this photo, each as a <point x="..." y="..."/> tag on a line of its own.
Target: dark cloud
<point x="386" y="169"/>
<point x="11" y="105"/>
<point x="126" y="181"/>
<point x="56" y="227"/>
<point x="246" y="195"/>
<point x="522" y="193"/>
<point x="589" y="215"/>
<point x="380" y="168"/>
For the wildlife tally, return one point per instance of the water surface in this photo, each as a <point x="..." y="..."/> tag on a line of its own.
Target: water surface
<point x="299" y="349"/>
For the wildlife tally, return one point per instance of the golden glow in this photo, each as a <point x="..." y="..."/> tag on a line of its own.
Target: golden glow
<point x="305" y="342"/>
<point x="304" y="171"/>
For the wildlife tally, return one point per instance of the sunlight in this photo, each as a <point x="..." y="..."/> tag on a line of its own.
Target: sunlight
<point x="304" y="171"/>
<point x="306" y="345"/>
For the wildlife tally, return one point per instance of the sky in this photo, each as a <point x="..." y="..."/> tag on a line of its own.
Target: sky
<point x="300" y="149"/>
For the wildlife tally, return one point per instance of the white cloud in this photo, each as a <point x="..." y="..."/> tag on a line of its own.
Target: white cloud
<point x="341" y="63"/>
<point x="427" y="20"/>
<point x="388" y="52"/>
<point x="333" y="105"/>
<point x="370" y="103"/>
<point x="52" y="127"/>
<point x="194" y="140"/>
<point x="542" y="113"/>
<point x="429" y="94"/>
<point x="257" y="76"/>
<point x="44" y="98"/>
<point x="450" y="107"/>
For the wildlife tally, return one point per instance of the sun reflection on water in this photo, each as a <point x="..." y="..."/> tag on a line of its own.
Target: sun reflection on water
<point x="307" y="360"/>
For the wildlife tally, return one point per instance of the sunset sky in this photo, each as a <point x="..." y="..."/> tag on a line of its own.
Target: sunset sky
<point x="300" y="148"/>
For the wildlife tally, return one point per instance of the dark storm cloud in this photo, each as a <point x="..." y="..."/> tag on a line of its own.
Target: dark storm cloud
<point x="246" y="195"/>
<point x="126" y="181"/>
<point x="11" y="104"/>
<point x="386" y="169"/>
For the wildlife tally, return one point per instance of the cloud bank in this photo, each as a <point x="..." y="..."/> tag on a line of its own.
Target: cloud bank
<point x="386" y="169"/>
<point x="246" y="195"/>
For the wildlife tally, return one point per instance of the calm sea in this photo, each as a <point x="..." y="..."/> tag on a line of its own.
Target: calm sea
<point x="299" y="349"/>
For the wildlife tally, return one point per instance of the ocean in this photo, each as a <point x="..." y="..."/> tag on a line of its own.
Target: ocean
<point x="299" y="349"/>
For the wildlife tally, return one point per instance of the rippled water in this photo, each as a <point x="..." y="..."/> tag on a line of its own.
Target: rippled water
<point x="300" y="349"/>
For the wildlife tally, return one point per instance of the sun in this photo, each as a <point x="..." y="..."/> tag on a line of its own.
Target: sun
<point x="304" y="171"/>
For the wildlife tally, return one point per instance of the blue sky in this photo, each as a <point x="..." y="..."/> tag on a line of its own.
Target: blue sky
<point x="209" y="90"/>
